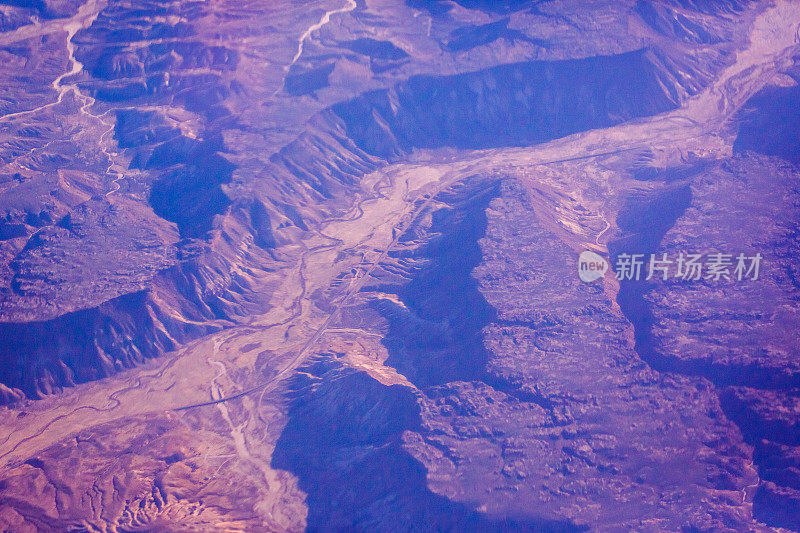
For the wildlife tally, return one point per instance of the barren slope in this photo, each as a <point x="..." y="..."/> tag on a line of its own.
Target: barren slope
<point x="273" y="268"/>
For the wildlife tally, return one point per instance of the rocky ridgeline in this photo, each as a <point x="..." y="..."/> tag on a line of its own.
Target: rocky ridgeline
<point x="177" y="112"/>
<point x="739" y="335"/>
<point x="523" y="399"/>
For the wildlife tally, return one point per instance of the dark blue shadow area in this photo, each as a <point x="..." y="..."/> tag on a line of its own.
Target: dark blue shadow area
<point x="510" y="105"/>
<point x="344" y="443"/>
<point x="437" y="337"/>
<point x="771" y="123"/>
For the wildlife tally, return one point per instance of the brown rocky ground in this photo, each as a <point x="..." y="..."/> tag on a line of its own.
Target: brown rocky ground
<point x="270" y="268"/>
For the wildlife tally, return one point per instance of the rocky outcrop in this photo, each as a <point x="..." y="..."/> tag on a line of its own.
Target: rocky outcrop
<point x="193" y="298"/>
<point x="511" y="393"/>
<point x="509" y="105"/>
<point x="143" y="477"/>
<point x="737" y="334"/>
<point x="141" y="218"/>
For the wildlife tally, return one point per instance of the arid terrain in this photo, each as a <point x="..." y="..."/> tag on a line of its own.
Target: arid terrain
<point x="286" y="266"/>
